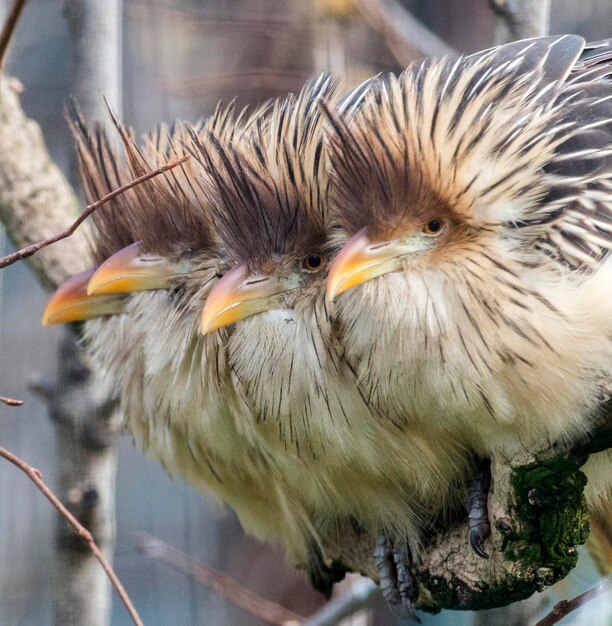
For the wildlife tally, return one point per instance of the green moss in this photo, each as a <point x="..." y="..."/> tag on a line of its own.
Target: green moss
<point x="551" y="511"/>
<point x="549" y="519"/>
<point x="458" y="596"/>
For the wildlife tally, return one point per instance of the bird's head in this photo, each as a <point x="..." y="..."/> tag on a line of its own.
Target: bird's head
<point x="268" y="197"/>
<point x="157" y="235"/>
<point x="448" y="158"/>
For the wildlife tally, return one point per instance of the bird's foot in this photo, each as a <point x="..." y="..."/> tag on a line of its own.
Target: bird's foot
<point x="478" y="515"/>
<point x="397" y="582"/>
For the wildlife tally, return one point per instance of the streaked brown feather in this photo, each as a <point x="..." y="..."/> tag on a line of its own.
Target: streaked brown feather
<point x="266" y="189"/>
<point x="421" y="141"/>
<point x="167" y="213"/>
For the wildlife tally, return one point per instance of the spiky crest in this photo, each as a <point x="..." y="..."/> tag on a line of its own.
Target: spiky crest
<point x="166" y="213"/>
<point x="508" y="138"/>
<point x="267" y="188"/>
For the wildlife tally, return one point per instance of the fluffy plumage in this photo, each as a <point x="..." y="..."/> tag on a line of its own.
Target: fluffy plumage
<point x="489" y="181"/>
<point x="173" y="383"/>
<point x="268" y="192"/>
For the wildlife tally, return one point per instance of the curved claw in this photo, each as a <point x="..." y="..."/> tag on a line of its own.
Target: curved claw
<point x="478" y="516"/>
<point x="477" y="538"/>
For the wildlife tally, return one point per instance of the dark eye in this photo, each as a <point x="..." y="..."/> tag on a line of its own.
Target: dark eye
<point x="433" y="228"/>
<point x="313" y="262"/>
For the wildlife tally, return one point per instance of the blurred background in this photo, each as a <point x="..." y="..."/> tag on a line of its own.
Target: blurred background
<point x="177" y="59"/>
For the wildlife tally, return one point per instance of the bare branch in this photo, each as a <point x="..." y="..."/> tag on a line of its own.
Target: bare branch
<point x="36" y="200"/>
<point x="10" y="401"/>
<point x="35" y="476"/>
<point x="362" y="595"/>
<point x="9" y="28"/>
<point x="565" y="607"/>
<point x="223" y="584"/>
<point x="520" y="19"/>
<point x="24" y="253"/>
<point x="405" y="36"/>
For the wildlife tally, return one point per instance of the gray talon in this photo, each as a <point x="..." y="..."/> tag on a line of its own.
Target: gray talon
<point x="478" y="516"/>
<point x="397" y="583"/>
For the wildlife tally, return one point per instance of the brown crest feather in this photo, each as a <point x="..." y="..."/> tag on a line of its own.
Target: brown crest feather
<point x="267" y="188"/>
<point x="515" y="137"/>
<point x="167" y="213"/>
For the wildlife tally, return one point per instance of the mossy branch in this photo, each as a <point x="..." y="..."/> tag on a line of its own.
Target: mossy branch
<point x="538" y="516"/>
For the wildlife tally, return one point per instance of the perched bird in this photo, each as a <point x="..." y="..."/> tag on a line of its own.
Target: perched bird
<point x="159" y="257"/>
<point x="268" y="192"/>
<point x="473" y="292"/>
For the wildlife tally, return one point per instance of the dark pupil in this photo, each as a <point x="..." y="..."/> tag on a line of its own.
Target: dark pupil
<point x="313" y="261"/>
<point x="434" y="226"/>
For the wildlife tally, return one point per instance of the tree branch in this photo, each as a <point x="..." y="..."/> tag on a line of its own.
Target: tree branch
<point x="362" y="595"/>
<point x="28" y="251"/>
<point x="223" y="584"/>
<point x="36" y="200"/>
<point x="565" y="607"/>
<point x="11" y="401"/>
<point x="35" y="476"/>
<point x="405" y="36"/>
<point x="538" y="517"/>
<point x="9" y="28"/>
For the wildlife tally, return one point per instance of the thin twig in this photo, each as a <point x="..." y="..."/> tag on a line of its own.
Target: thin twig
<point x="406" y="37"/>
<point x="24" y="253"/>
<point x="520" y="19"/>
<point x="11" y="401"/>
<point x="223" y="584"/>
<point x="565" y="607"/>
<point x="9" y="28"/>
<point x="362" y="594"/>
<point x="36" y="477"/>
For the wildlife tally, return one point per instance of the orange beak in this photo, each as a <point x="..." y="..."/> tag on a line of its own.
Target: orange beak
<point x="70" y="303"/>
<point x="130" y="269"/>
<point x="240" y="294"/>
<point x="361" y="260"/>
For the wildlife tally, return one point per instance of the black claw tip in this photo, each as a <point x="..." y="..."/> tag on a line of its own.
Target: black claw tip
<point x="476" y="541"/>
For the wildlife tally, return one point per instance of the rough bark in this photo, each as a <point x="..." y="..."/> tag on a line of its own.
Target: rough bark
<point x="86" y="418"/>
<point x="87" y="428"/>
<point x="36" y="200"/>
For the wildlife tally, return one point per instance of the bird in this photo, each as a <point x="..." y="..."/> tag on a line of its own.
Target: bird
<point x="324" y="460"/>
<point x="472" y="199"/>
<point x="156" y="257"/>
<point x="268" y="192"/>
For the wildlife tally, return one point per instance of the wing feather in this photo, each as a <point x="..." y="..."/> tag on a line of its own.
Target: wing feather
<point x="580" y="234"/>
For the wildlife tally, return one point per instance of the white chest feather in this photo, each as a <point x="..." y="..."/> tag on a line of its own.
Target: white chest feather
<point x="498" y="367"/>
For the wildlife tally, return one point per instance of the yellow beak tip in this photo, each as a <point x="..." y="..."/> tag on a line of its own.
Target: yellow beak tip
<point x="208" y="326"/>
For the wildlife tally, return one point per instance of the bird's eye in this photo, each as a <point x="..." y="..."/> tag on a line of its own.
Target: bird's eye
<point x="313" y="262"/>
<point x="433" y="228"/>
